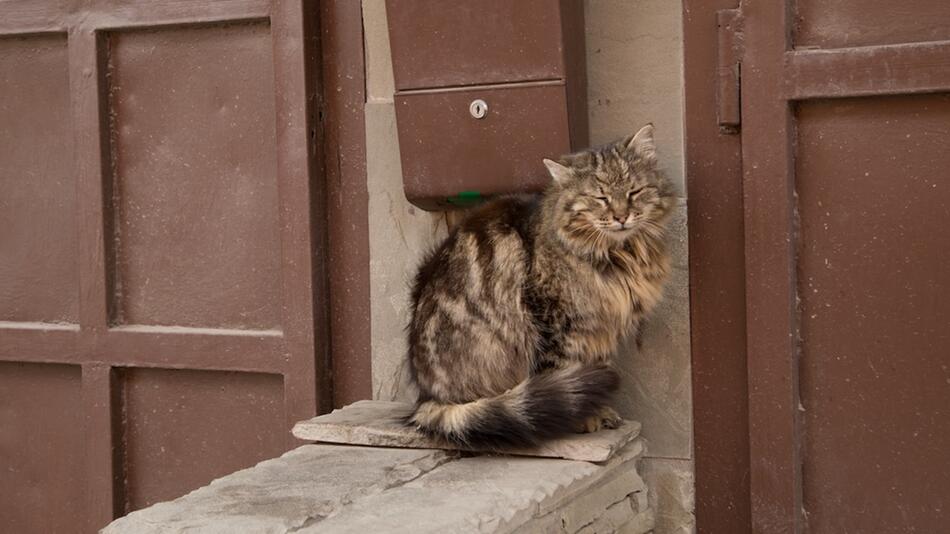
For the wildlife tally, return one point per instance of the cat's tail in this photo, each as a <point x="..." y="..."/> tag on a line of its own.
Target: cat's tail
<point x="546" y="405"/>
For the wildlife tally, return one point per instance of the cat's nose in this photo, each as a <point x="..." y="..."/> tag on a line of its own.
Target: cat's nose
<point x="620" y="218"/>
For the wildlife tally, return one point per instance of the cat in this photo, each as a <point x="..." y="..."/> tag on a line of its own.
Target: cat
<point x="516" y="315"/>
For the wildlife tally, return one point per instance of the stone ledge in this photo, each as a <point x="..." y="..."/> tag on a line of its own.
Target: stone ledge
<point x="377" y="423"/>
<point x="337" y="488"/>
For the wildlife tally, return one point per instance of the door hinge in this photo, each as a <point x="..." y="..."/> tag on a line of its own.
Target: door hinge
<point x="729" y="56"/>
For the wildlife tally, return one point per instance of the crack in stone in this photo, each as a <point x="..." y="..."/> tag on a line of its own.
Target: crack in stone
<point x="403" y="474"/>
<point x="307" y="523"/>
<point x="398" y="475"/>
<point x="629" y="498"/>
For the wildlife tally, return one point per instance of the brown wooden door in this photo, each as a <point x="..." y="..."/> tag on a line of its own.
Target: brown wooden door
<point x="162" y="287"/>
<point x="845" y="129"/>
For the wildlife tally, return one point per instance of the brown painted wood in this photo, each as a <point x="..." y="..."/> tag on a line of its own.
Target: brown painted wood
<point x="302" y="208"/>
<point x="343" y="123"/>
<point x="574" y="45"/>
<point x="855" y="23"/>
<point x="38" y="266"/>
<point x="874" y="205"/>
<point x="771" y="315"/>
<point x="86" y="75"/>
<point x="827" y="182"/>
<point x="728" y="55"/>
<point x="103" y="491"/>
<point x="232" y="420"/>
<point x="871" y="70"/>
<point x="42" y="448"/>
<point x="717" y="286"/>
<point x="271" y="361"/>
<point x="28" y="17"/>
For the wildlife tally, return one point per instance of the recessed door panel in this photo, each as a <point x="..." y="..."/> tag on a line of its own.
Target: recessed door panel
<point x="193" y="130"/>
<point x="874" y="204"/>
<point x="38" y="267"/>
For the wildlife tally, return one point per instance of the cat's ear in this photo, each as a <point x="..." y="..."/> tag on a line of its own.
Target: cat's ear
<point x="641" y="146"/>
<point x="560" y="173"/>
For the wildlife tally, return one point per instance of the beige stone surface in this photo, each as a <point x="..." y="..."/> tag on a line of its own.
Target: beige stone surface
<point x="635" y="73"/>
<point x="341" y="489"/>
<point x="399" y="234"/>
<point x="643" y="522"/>
<point x="576" y="515"/>
<point x="501" y="494"/>
<point x="379" y="67"/>
<point x="617" y="519"/>
<point x="300" y="488"/>
<point x="378" y="423"/>
<point x="656" y="380"/>
<point x="671" y="495"/>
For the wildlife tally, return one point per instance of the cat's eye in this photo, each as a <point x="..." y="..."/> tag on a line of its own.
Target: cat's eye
<point x="635" y="192"/>
<point x="604" y="200"/>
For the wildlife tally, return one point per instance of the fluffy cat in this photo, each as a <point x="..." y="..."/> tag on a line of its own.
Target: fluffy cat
<point x="516" y="316"/>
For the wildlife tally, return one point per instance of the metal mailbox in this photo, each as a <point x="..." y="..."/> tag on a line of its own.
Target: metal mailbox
<point x="484" y="91"/>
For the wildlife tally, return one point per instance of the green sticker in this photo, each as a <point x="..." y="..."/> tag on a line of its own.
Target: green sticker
<point x="465" y="198"/>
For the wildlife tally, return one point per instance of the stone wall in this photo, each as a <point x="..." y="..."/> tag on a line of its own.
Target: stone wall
<point x="345" y="489"/>
<point x="635" y="63"/>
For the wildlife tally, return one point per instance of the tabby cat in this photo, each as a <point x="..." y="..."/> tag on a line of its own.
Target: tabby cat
<point x="516" y="316"/>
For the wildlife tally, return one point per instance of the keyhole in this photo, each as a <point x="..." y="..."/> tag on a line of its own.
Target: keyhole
<point x="478" y="108"/>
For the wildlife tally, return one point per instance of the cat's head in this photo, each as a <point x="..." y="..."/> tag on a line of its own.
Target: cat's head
<point x="605" y="195"/>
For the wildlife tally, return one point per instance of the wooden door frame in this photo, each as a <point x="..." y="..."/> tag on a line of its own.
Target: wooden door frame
<point x="344" y="161"/>
<point x="717" y="285"/>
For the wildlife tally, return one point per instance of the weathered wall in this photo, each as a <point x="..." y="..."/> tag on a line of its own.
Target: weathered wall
<point x="634" y="62"/>
<point x="635" y="75"/>
<point x="398" y="232"/>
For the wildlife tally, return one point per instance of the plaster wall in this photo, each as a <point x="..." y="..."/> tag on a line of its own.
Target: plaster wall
<point x="635" y="65"/>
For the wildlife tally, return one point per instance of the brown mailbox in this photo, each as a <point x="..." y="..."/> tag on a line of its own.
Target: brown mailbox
<point x="484" y="90"/>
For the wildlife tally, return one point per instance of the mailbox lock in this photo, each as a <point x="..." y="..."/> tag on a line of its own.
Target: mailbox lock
<point x="478" y="108"/>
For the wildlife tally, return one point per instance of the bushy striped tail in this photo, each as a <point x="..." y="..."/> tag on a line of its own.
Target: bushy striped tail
<point x="547" y="405"/>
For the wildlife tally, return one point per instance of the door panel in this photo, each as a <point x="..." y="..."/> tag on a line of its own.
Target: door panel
<point x="38" y="267"/>
<point x="874" y="206"/>
<point x="41" y="463"/>
<point x="162" y="282"/>
<point x="195" y="177"/>
<point x="847" y="290"/>
<point x="232" y="420"/>
<point x="845" y="23"/>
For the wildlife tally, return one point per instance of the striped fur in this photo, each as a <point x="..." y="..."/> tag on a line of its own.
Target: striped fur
<point x="516" y="316"/>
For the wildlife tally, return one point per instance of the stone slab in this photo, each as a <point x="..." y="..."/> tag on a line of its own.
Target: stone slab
<point x="495" y="494"/>
<point x="279" y="495"/>
<point x="341" y="489"/>
<point x="671" y="493"/>
<point x="377" y="423"/>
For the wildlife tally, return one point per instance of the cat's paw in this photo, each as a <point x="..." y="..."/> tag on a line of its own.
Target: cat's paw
<point x="609" y="418"/>
<point x="592" y="424"/>
<point x="606" y="418"/>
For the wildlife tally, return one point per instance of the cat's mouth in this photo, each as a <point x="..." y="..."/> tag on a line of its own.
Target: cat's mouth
<point x="619" y="229"/>
<point x="620" y="233"/>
